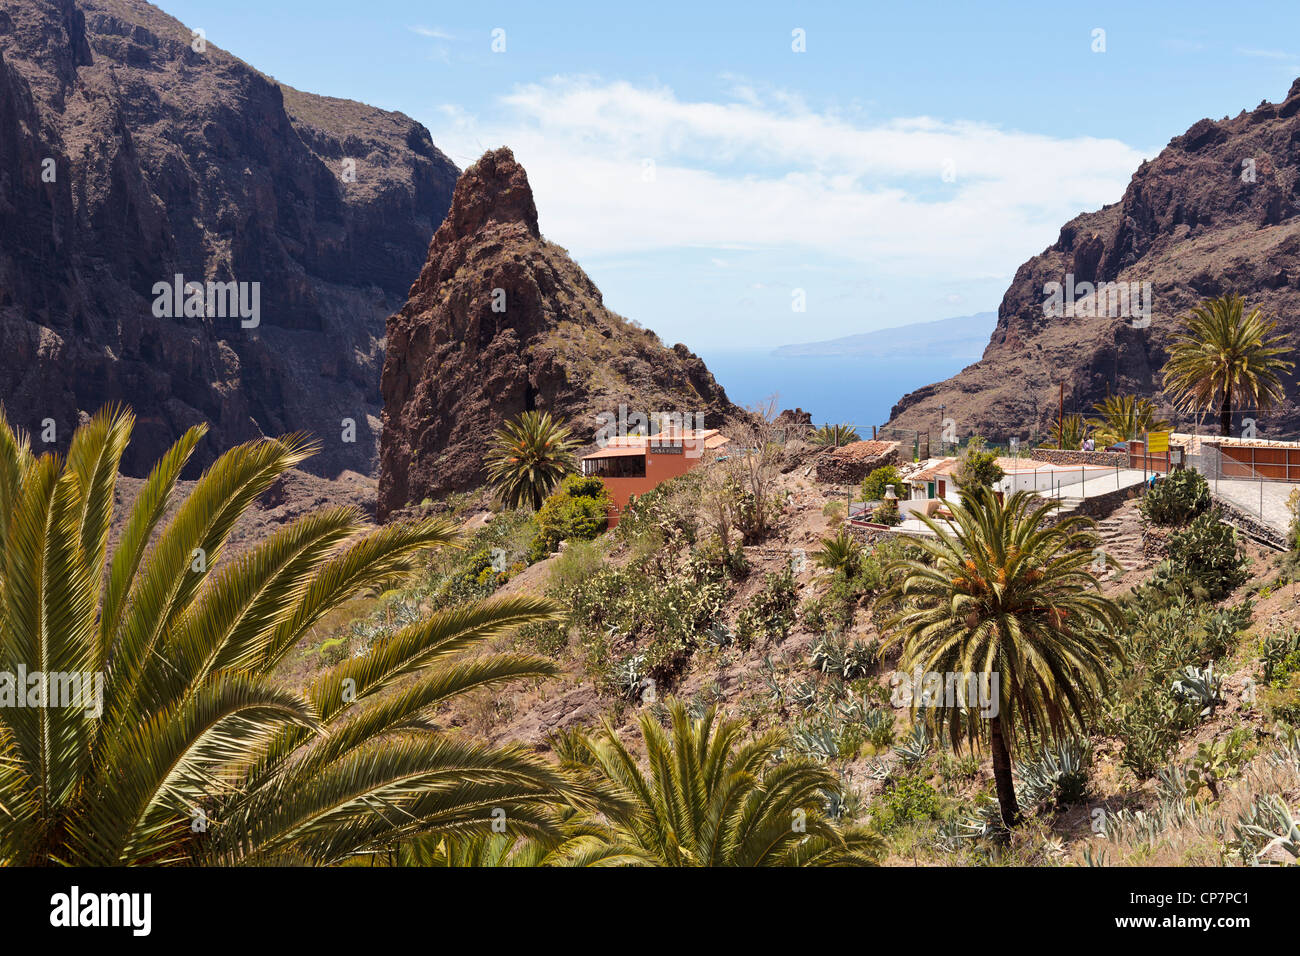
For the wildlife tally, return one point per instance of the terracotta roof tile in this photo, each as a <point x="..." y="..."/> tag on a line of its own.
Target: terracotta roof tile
<point x="859" y="450"/>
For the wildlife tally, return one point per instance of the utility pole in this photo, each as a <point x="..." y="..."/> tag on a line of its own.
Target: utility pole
<point x="1060" y="421"/>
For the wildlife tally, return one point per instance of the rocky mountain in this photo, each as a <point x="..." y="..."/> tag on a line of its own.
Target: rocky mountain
<point x="961" y="337"/>
<point x="502" y="321"/>
<point x="1218" y="210"/>
<point x="133" y="150"/>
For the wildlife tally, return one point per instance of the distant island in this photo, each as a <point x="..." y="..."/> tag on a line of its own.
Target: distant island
<point x="963" y="338"/>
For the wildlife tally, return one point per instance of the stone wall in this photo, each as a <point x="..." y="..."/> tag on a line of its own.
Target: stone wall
<point x="1103" y="506"/>
<point x="1250" y="525"/>
<point x="870" y="534"/>
<point x="1056" y="456"/>
<point x="837" y="468"/>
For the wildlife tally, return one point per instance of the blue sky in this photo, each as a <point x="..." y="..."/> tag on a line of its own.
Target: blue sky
<point x="709" y="178"/>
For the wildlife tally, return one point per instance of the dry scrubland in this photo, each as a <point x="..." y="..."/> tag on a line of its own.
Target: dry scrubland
<point x="658" y="603"/>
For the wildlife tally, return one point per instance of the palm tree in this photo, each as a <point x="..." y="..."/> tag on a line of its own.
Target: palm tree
<point x="833" y="436"/>
<point x="712" y="798"/>
<point x="530" y="455"/>
<point x="1226" y="358"/>
<point x="1125" y="417"/>
<point x="180" y="744"/>
<point x="579" y="843"/>
<point x="1068" y="432"/>
<point x="1000" y="592"/>
<point x="840" y="553"/>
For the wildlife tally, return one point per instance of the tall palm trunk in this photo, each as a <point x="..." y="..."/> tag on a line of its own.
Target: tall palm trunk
<point x="1225" y="416"/>
<point x="1002" y="777"/>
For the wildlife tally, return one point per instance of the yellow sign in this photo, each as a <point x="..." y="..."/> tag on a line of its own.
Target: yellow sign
<point x="1157" y="442"/>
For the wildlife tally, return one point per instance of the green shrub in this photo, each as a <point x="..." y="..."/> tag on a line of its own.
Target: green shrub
<point x="834" y="609"/>
<point x="1207" y="553"/>
<point x="666" y="513"/>
<point x="665" y="613"/>
<point x="910" y="799"/>
<point x="489" y="558"/>
<point x="1176" y="500"/>
<point x="1160" y="639"/>
<point x="1280" y="695"/>
<point x="733" y="561"/>
<point x="771" y="612"/>
<point x="1216" y="761"/>
<point x="1280" y="656"/>
<point x="480" y="572"/>
<point x="978" y="468"/>
<point x="1281" y="699"/>
<point x="548" y="638"/>
<point x="873" y="486"/>
<point x="333" y="651"/>
<point x="887" y="513"/>
<point x="1148" y="726"/>
<point x="575" y="564"/>
<point x="579" y="511"/>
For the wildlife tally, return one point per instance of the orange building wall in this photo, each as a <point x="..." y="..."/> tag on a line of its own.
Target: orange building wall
<point x="1281" y="464"/>
<point x="658" y="469"/>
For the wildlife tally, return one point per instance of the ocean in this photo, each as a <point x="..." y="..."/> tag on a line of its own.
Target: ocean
<point x="853" y="389"/>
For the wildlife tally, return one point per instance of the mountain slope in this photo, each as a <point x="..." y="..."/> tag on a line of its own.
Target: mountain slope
<point x="1216" y="211"/>
<point x="502" y="321"/>
<point x="128" y="157"/>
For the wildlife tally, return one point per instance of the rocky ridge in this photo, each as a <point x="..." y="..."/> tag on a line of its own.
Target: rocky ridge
<point x="502" y="321"/>
<point x="1217" y="211"/>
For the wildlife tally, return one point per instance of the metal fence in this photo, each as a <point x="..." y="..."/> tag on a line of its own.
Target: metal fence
<point x="1249" y="484"/>
<point x="917" y="441"/>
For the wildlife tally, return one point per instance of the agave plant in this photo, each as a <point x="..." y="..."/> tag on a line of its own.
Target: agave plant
<point x="529" y="457"/>
<point x="878" y="724"/>
<point x="719" y="635"/>
<point x="859" y="658"/>
<point x="629" y="676"/>
<point x="190" y="748"/>
<point x="1201" y="688"/>
<point x="834" y="436"/>
<point x="1266" y="826"/>
<point x="916" y="747"/>
<point x="1057" y="776"/>
<point x="819" y="742"/>
<point x="828" y="655"/>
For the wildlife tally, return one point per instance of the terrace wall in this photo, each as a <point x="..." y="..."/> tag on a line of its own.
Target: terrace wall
<point x="1064" y="456"/>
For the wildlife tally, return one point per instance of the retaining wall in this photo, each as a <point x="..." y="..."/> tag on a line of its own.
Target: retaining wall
<point x="1058" y="456"/>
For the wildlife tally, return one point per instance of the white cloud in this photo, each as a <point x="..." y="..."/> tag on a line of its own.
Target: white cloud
<point x="431" y="32"/>
<point x="1267" y="54"/>
<point x="764" y="171"/>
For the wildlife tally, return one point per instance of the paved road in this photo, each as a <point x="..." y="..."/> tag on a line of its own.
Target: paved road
<point x="1095" y="484"/>
<point x="1265" y="500"/>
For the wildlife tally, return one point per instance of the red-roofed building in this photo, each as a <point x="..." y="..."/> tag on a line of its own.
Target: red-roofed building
<point x="634" y="464"/>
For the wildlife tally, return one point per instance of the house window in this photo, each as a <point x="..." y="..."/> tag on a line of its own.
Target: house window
<point x="620" y="466"/>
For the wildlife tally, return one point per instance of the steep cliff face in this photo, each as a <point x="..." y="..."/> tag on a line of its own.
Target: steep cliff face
<point x="1216" y="211"/>
<point x="131" y="154"/>
<point x="502" y="321"/>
